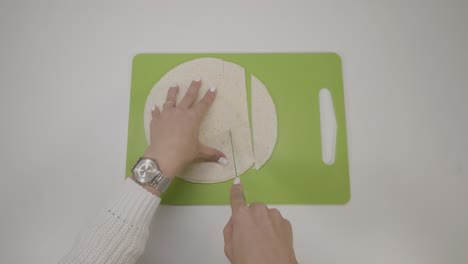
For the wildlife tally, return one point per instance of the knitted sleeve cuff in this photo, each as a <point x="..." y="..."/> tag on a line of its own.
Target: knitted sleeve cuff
<point x="136" y="205"/>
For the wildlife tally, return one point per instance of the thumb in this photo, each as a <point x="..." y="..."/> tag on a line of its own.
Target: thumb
<point x="210" y="154"/>
<point x="227" y="234"/>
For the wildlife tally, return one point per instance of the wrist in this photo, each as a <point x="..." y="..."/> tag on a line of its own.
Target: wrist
<point x="149" y="188"/>
<point x="152" y="190"/>
<point x="168" y="168"/>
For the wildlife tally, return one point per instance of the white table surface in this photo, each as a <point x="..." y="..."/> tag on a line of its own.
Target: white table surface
<point x="65" y="74"/>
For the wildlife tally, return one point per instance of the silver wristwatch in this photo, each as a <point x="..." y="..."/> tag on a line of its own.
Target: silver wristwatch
<point x="146" y="172"/>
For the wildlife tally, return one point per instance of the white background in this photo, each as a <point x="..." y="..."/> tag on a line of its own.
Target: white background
<point x="65" y="72"/>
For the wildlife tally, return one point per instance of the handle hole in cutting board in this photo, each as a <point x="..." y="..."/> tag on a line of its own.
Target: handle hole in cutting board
<point x="328" y="126"/>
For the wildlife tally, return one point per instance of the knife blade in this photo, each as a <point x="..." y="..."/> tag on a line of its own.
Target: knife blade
<point x="232" y="150"/>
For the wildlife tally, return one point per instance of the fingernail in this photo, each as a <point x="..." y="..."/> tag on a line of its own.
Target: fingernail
<point x="223" y="161"/>
<point x="197" y="79"/>
<point x="213" y="88"/>
<point x="173" y="85"/>
<point x="236" y="180"/>
<point x="153" y="108"/>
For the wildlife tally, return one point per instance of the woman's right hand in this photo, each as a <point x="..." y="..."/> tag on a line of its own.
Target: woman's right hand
<point x="256" y="234"/>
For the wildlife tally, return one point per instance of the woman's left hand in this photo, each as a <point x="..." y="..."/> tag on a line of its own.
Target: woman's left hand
<point x="174" y="140"/>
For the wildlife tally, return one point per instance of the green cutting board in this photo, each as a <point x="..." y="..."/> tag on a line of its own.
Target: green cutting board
<point x="295" y="173"/>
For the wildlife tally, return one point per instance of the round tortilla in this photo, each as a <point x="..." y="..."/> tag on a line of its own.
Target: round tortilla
<point x="264" y="122"/>
<point x="229" y="112"/>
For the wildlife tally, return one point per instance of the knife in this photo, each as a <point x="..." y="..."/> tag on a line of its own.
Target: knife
<point x="232" y="150"/>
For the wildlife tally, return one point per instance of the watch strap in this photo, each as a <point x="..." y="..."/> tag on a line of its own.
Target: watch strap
<point x="161" y="182"/>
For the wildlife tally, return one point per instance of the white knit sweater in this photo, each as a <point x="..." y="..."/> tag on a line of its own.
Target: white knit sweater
<point x="120" y="232"/>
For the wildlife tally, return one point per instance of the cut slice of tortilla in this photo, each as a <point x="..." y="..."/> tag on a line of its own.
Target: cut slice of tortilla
<point x="264" y="122"/>
<point x="228" y="112"/>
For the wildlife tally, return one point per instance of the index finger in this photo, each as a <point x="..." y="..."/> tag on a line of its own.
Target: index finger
<point x="237" y="196"/>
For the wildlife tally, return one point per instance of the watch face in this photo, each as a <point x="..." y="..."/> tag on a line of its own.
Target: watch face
<point x="145" y="171"/>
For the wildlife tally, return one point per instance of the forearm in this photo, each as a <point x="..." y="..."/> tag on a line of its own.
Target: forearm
<point x="120" y="232"/>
